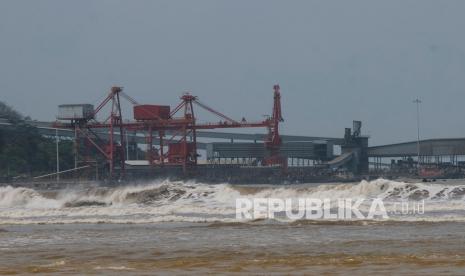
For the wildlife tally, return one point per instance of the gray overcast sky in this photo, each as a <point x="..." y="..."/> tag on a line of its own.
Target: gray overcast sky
<point x="335" y="60"/>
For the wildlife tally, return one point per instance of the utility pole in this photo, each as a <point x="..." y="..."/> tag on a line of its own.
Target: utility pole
<point x="418" y="102"/>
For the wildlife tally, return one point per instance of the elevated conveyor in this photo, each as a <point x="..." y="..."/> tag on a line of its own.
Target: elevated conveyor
<point x="340" y="160"/>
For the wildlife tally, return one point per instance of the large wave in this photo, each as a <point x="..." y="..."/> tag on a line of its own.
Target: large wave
<point x="196" y="202"/>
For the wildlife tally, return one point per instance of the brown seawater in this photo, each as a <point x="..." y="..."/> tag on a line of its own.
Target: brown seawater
<point x="146" y="249"/>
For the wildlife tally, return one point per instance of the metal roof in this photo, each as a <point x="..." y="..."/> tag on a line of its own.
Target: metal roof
<point x="430" y="147"/>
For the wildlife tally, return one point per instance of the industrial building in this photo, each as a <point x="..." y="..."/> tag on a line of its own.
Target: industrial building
<point x="297" y="153"/>
<point x="160" y="137"/>
<point x="442" y="157"/>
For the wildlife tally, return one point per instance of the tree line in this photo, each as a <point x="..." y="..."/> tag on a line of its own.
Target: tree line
<point x="24" y="152"/>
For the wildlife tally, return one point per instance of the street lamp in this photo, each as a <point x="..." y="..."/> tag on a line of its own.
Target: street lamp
<point x="417" y="102"/>
<point x="57" y="141"/>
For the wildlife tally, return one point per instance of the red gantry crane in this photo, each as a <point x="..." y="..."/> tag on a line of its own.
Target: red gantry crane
<point x="177" y="125"/>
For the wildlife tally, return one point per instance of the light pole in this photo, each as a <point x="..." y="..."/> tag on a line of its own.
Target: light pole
<point x="418" y="102"/>
<point x="127" y="146"/>
<point x="57" y="141"/>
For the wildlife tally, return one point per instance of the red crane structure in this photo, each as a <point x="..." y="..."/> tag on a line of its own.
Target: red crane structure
<point x="176" y="130"/>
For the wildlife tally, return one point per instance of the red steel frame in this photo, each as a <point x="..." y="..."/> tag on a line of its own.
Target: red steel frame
<point x="182" y="127"/>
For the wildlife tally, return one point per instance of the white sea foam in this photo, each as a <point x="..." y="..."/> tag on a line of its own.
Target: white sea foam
<point x="197" y="202"/>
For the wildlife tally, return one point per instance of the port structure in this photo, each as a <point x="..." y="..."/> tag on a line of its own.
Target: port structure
<point x="176" y="129"/>
<point x="85" y="123"/>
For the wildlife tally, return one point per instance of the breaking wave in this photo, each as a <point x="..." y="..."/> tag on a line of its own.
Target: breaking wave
<point x="169" y="201"/>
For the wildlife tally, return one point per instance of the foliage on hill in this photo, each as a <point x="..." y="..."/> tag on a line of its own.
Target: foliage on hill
<point x="24" y="152"/>
<point x="6" y="112"/>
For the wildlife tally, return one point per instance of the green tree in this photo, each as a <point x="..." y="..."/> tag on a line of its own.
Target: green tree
<point x="24" y="151"/>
